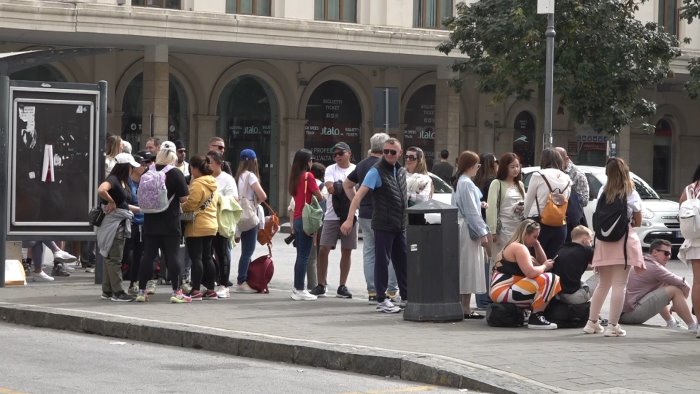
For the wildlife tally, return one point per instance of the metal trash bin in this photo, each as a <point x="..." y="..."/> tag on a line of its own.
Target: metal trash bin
<point x="433" y="264"/>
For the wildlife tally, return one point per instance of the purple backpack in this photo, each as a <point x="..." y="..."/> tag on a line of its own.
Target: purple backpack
<point x="152" y="194"/>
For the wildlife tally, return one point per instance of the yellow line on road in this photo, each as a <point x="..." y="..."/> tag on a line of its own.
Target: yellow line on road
<point x="5" y="390"/>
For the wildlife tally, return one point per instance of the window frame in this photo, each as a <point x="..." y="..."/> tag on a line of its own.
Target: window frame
<point x="163" y="4"/>
<point x="669" y="23"/>
<point x="421" y="17"/>
<point x="341" y="11"/>
<point x="233" y="7"/>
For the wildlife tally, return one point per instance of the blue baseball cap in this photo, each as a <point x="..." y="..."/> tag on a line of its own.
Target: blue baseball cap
<point x="248" y="154"/>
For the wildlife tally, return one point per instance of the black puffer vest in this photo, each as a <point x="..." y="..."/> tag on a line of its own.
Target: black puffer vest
<point x="391" y="199"/>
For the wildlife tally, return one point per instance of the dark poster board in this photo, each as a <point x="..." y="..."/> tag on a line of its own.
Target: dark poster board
<point x="420" y="123"/>
<point x="53" y="161"/>
<point x="333" y="114"/>
<point x="524" y="139"/>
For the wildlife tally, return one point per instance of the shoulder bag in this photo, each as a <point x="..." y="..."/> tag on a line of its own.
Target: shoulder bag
<point x="312" y="213"/>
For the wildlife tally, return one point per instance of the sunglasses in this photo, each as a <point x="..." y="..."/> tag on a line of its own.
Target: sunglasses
<point x="219" y="147"/>
<point x="665" y="252"/>
<point x="390" y="152"/>
<point x="338" y="153"/>
<point x="411" y="158"/>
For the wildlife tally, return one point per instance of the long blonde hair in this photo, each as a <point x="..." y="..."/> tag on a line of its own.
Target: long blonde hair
<point x="113" y="146"/>
<point x="421" y="166"/>
<point x="525" y="228"/>
<point x="619" y="184"/>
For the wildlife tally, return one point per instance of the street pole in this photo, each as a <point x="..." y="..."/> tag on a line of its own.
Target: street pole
<point x="547" y="7"/>
<point x="549" y="81"/>
<point x="386" y="110"/>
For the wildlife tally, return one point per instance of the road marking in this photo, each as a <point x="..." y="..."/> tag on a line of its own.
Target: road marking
<point x="5" y="390"/>
<point x="412" y="389"/>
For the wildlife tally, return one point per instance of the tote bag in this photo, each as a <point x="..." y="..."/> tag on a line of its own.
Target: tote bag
<point x="249" y="214"/>
<point x="312" y="213"/>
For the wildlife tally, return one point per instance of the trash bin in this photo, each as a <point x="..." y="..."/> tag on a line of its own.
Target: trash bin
<point x="433" y="264"/>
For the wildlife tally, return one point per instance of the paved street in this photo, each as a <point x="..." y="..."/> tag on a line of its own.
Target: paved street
<point x="649" y="359"/>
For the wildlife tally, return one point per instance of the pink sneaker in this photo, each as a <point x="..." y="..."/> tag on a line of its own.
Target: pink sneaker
<point x="179" y="298"/>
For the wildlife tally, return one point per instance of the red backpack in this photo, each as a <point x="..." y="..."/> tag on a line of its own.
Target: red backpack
<point x="260" y="272"/>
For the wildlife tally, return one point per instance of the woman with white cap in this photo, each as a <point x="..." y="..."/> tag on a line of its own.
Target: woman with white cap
<point x="248" y="188"/>
<point x="115" y="197"/>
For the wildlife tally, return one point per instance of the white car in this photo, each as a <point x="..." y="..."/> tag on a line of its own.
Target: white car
<point x="441" y="192"/>
<point x="659" y="216"/>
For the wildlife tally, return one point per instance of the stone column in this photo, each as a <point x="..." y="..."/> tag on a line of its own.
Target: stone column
<point x="291" y="140"/>
<point x="447" y="113"/>
<point x="206" y="129"/>
<point x="156" y="76"/>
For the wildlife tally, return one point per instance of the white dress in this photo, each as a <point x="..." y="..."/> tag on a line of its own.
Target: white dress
<point x="507" y="215"/>
<point x="467" y="199"/>
<point x="690" y="250"/>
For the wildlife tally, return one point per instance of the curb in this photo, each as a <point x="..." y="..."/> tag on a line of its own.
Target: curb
<point x="418" y="367"/>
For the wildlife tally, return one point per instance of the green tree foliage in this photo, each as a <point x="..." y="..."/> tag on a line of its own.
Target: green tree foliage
<point x="604" y="57"/>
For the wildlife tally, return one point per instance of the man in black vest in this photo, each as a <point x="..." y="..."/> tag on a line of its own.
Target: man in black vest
<point x="387" y="180"/>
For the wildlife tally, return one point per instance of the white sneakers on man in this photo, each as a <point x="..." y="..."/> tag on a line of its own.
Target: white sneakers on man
<point x="222" y="291"/>
<point x="302" y="295"/>
<point x="387" y="306"/>
<point x="64" y="257"/>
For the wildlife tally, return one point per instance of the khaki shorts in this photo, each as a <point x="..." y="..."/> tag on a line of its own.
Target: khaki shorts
<point x="331" y="232"/>
<point x="647" y="307"/>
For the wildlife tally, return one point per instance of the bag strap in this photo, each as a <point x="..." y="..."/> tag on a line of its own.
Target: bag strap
<point x="498" y="202"/>
<point x="306" y="178"/>
<point x="272" y="211"/>
<point x="206" y="202"/>
<point x="544" y="178"/>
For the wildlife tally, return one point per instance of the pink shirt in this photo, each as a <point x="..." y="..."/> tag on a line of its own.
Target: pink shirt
<point x="655" y="276"/>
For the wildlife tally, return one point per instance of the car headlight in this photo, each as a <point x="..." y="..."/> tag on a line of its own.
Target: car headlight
<point x="646" y="223"/>
<point x="647" y="213"/>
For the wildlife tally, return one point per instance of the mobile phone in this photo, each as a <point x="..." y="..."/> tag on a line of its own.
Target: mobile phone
<point x="521" y="203"/>
<point x="555" y="258"/>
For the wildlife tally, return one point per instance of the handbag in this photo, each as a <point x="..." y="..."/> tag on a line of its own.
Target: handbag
<point x="260" y="272"/>
<point x="312" y="213"/>
<point x="249" y="215"/>
<point x="272" y="225"/>
<point x="96" y="216"/>
<point x="191" y="216"/>
<point x="554" y="212"/>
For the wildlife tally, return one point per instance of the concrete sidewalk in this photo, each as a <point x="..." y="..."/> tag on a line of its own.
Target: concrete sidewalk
<point x="349" y="335"/>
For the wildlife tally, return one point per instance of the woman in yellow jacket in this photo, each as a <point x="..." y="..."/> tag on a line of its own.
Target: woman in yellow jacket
<point x="199" y="233"/>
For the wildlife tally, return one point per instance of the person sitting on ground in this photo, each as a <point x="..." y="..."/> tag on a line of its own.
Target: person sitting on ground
<point x="650" y="291"/>
<point x="573" y="259"/>
<point x="522" y="279"/>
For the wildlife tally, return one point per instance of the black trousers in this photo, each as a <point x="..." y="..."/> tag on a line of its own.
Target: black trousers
<point x="203" y="270"/>
<point x="221" y="250"/>
<point x="170" y="246"/>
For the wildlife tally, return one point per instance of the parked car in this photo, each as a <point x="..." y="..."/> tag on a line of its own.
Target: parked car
<point x="659" y="216"/>
<point x="441" y="192"/>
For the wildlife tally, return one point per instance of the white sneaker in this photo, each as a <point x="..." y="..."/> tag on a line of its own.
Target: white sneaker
<point x="614" y="331"/>
<point x="41" y="277"/>
<point x="673" y="324"/>
<point x="387" y="306"/>
<point x="222" y="291"/>
<point x="593" y="328"/>
<point x="303" y="295"/>
<point x="64" y="257"/>
<point x="244" y="288"/>
<point x="151" y="287"/>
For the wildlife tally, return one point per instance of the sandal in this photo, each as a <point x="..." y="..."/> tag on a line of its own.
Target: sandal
<point x="473" y="315"/>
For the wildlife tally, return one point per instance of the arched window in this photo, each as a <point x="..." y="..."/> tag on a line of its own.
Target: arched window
<point x="333" y="114"/>
<point x="420" y="122"/>
<point x="247" y="115"/>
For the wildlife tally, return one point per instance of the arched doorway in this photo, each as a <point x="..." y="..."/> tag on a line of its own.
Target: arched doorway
<point x="333" y="114"/>
<point x="248" y="119"/>
<point x="420" y="122"/>
<point x="661" y="179"/>
<point x="132" y="108"/>
<point x="524" y="138"/>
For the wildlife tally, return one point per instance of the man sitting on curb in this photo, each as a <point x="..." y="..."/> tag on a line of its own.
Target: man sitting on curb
<point x="573" y="259"/>
<point x="650" y="291"/>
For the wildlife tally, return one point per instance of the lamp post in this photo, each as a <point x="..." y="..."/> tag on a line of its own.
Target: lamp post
<point x="547" y="7"/>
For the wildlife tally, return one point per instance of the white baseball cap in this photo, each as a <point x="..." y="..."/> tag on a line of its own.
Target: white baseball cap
<point x="168" y="145"/>
<point x="126" y="158"/>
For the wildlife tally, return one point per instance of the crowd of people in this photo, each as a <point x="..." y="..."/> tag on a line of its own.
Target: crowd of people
<point x="516" y="246"/>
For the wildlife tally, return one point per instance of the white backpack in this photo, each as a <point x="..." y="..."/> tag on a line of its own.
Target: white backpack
<point x="689" y="214"/>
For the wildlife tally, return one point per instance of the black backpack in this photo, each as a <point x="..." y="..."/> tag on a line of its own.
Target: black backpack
<point x="567" y="315"/>
<point x="504" y="315"/>
<point x="610" y="221"/>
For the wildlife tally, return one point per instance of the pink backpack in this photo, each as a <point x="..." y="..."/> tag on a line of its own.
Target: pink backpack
<point x="152" y="193"/>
